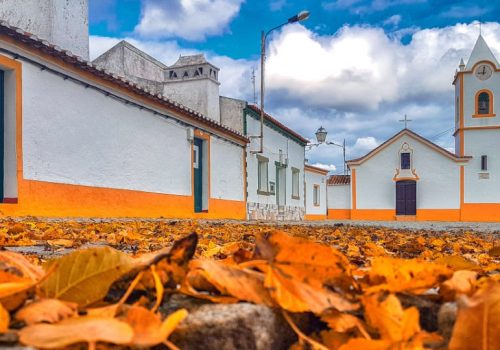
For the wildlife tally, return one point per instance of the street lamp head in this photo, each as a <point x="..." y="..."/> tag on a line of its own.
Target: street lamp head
<point x="301" y="16"/>
<point x="321" y="135"/>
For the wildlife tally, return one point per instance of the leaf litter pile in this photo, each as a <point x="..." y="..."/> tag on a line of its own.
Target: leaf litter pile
<point x="106" y="284"/>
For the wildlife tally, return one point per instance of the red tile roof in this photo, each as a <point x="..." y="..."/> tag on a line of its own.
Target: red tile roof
<point x="339" y="180"/>
<point x="37" y="44"/>
<point x="278" y="124"/>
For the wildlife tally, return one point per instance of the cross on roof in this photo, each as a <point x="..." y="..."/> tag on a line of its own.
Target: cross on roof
<point x="406" y="120"/>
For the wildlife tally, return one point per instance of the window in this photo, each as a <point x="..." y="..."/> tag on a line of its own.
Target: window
<point x="295" y="183"/>
<point x="316" y="195"/>
<point x="484" y="163"/>
<point x="262" y="175"/>
<point x="483" y="103"/>
<point x="405" y="160"/>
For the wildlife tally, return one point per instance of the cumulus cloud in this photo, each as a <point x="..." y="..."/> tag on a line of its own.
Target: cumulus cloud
<point x="187" y="19"/>
<point x="357" y="83"/>
<point x="330" y="167"/>
<point x="393" y="20"/>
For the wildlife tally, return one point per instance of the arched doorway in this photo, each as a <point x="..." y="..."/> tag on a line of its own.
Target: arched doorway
<point x="406" y="197"/>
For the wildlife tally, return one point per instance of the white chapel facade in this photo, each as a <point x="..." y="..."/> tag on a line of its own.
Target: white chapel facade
<point x="410" y="178"/>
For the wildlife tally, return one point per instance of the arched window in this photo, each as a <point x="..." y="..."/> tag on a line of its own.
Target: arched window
<point x="484" y="104"/>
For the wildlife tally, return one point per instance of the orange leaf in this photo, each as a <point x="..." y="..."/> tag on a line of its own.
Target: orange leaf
<point x="387" y="315"/>
<point x="76" y="330"/>
<point x="148" y="328"/>
<point x="462" y="282"/>
<point x="295" y="296"/>
<point x="231" y="280"/>
<point x="398" y="275"/>
<point x="4" y="319"/>
<point x="47" y="311"/>
<point x="18" y="264"/>
<point x="368" y="344"/>
<point x="478" y="321"/>
<point x="67" y="243"/>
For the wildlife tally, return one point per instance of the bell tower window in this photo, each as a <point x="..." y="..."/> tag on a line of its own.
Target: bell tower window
<point x="484" y="104"/>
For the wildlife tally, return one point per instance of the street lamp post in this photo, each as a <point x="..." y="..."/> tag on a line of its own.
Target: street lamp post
<point x="321" y="139"/>
<point x="301" y="16"/>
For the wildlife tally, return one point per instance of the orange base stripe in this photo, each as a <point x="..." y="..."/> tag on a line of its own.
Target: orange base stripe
<point x="481" y="212"/>
<point x="51" y="199"/>
<point x="315" y="217"/>
<point x="438" y="215"/>
<point x="339" y="214"/>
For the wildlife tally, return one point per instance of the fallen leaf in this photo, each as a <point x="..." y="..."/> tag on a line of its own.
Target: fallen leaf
<point x="76" y="330"/>
<point x="231" y="280"/>
<point x="462" y="282"/>
<point x="47" y="311"/>
<point x="67" y="243"/>
<point x="478" y="321"/>
<point x="85" y="276"/>
<point x="17" y="264"/>
<point x="148" y="328"/>
<point x="4" y="319"/>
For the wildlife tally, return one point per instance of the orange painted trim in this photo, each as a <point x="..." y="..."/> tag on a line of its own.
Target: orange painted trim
<point x="493" y="67"/>
<point x="373" y="214"/>
<point x="315" y="217"/>
<point x="59" y="63"/>
<point x="489" y="212"/>
<point x="353" y="188"/>
<point x="438" y="214"/>
<point x="339" y="214"/>
<point x="313" y="169"/>
<point x="63" y="200"/>
<point x="462" y="122"/>
<point x="490" y="103"/>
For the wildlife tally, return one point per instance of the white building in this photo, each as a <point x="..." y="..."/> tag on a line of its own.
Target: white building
<point x="78" y="140"/>
<point x="410" y="178"/>
<point x="316" y="196"/>
<point x="275" y="177"/>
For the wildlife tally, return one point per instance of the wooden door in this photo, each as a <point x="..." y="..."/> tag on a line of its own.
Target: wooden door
<point x="406" y="197"/>
<point x="198" y="175"/>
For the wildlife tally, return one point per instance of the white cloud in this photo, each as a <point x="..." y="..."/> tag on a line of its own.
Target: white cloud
<point x="357" y="83"/>
<point x="393" y="20"/>
<point x="276" y="5"/>
<point x="187" y="19"/>
<point x="330" y="167"/>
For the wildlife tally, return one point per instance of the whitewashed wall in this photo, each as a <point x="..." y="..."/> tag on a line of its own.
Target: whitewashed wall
<point x="273" y="142"/>
<point x="74" y="135"/>
<point x="477" y="189"/>
<point x="438" y="187"/>
<point x="227" y="170"/>
<point x="339" y="196"/>
<point x="311" y="180"/>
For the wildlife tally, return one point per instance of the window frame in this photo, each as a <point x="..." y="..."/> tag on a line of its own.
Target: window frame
<point x="316" y="195"/>
<point x="490" y="104"/>
<point x="262" y="187"/>
<point x="295" y="177"/>
<point x="484" y="163"/>
<point x="402" y="164"/>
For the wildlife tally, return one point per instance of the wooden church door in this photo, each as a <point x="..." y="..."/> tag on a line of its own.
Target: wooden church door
<point x="406" y="197"/>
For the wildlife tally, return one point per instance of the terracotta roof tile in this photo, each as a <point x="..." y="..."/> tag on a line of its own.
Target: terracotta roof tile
<point x="79" y="63"/>
<point x="339" y="180"/>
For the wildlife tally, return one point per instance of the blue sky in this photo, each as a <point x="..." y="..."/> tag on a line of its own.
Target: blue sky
<point x="355" y="66"/>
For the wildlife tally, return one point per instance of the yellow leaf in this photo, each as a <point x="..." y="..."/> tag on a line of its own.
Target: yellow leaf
<point x="85" y="276"/>
<point x="76" y="330"/>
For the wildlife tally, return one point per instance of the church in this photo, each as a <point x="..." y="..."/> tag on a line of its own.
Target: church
<point x="409" y="178"/>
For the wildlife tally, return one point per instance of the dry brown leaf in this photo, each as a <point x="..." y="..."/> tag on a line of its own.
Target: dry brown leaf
<point x="457" y="262"/>
<point x="46" y="311"/>
<point x="398" y="275"/>
<point x="231" y="280"/>
<point x="478" y="321"/>
<point x="14" y="290"/>
<point x="16" y="263"/>
<point x="4" y="319"/>
<point x="295" y="296"/>
<point x="385" y="313"/>
<point x="76" y="330"/>
<point x="66" y="243"/>
<point x="149" y="330"/>
<point x="85" y="276"/>
<point x="369" y="344"/>
<point x="462" y="282"/>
